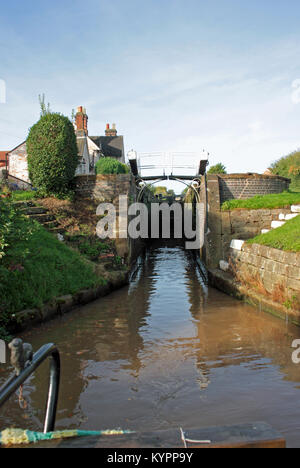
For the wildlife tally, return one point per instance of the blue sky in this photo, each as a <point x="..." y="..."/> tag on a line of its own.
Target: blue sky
<point x="174" y="75"/>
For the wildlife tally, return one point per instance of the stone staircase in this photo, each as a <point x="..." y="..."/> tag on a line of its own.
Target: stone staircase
<point x="237" y="244"/>
<point x="283" y="218"/>
<point x="41" y="215"/>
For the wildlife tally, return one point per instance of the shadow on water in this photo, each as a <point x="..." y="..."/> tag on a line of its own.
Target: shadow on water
<point x="166" y="351"/>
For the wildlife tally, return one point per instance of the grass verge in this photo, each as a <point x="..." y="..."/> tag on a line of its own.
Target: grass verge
<point x="272" y="201"/>
<point x="286" y="237"/>
<point x="37" y="268"/>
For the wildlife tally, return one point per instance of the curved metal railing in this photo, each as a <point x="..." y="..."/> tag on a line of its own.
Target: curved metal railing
<point x="9" y="388"/>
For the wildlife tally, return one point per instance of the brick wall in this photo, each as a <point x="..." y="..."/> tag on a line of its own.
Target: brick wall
<point x="242" y="186"/>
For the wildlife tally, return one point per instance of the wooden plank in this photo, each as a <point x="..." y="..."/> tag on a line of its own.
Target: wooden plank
<point x="256" y="435"/>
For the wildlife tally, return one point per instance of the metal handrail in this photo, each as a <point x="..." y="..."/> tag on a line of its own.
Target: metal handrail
<point x="8" y="389"/>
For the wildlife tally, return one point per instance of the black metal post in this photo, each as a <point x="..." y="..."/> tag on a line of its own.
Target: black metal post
<point x="9" y="388"/>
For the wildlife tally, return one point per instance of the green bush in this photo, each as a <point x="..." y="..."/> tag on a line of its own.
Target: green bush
<point x="111" y="166"/>
<point x="289" y="166"/>
<point x="92" y="249"/>
<point x="217" y="169"/>
<point x="52" y="154"/>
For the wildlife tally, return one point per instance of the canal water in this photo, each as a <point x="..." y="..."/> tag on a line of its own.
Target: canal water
<point x="166" y="352"/>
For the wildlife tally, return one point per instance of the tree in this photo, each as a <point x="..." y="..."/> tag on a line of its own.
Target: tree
<point x="45" y="108"/>
<point x="289" y="166"/>
<point x="52" y="154"/>
<point x="184" y="192"/>
<point x="161" y="191"/>
<point x="171" y="193"/>
<point x="218" y="169"/>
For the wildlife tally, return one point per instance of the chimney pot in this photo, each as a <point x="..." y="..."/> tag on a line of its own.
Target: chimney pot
<point x="111" y="132"/>
<point x="81" y="121"/>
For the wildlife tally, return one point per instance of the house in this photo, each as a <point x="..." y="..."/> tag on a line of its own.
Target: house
<point x="3" y="159"/>
<point x="111" y="145"/>
<point x="17" y="166"/>
<point x="3" y="162"/>
<point x="90" y="149"/>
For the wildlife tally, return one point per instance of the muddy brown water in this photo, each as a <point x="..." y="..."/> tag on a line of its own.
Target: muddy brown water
<point x="165" y="352"/>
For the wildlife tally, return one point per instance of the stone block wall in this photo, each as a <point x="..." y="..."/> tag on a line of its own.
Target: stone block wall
<point x="107" y="189"/>
<point x="242" y="186"/>
<point x="104" y="188"/>
<point x="241" y="224"/>
<point x="245" y="224"/>
<point x="276" y="271"/>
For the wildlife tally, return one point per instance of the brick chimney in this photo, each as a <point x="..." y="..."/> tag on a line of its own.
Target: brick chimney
<point x="111" y="132"/>
<point x="81" y="121"/>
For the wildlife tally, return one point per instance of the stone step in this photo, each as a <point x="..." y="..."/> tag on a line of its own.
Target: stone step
<point x="42" y="218"/>
<point x="237" y="244"/>
<point x="34" y="210"/>
<point x="287" y="217"/>
<point x="57" y="230"/>
<point x="23" y="204"/>
<point x="295" y="209"/>
<point x="50" y="224"/>
<point x="277" y="224"/>
<point x="265" y="231"/>
<point x="291" y="216"/>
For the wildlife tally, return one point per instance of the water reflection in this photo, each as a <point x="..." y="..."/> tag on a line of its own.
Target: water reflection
<point x="166" y="352"/>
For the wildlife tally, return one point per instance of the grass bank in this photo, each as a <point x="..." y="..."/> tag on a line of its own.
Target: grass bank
<point x="286" y="237"/>
<point x="273" y="201"/>
<point x="35" y="266"/>
<point x="20" y="195"/>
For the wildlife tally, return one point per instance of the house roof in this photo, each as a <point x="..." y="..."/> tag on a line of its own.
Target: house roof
<point x="91" y="144"/>
<point x="21" y="144"/>
<point x="110" y="146"/>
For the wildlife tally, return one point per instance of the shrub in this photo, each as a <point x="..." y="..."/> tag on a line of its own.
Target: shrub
<point x="52" y="154"/>
<point x="92" y="249"/>
<point x="217" y="169"/>
<point x="111" y="166"/>
<point x="289" y="166"/>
